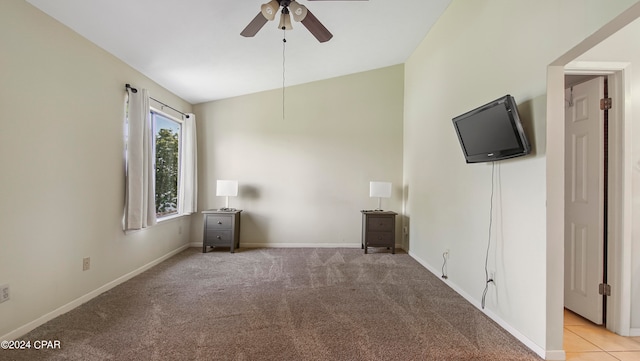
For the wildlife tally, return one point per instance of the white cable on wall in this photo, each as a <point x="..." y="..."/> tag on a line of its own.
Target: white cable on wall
<point x="486" y="259"/>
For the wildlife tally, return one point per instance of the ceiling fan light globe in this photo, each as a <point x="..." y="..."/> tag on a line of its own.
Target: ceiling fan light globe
<point x="285" y="22"/>
<point x="298" y="11"/>
<point x="270" y="9"/>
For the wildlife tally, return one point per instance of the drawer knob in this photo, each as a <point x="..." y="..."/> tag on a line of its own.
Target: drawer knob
<point x="218" y="237"/>
<point x="219" y="222"/>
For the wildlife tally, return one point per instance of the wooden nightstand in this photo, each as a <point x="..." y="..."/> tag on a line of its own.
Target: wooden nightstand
<point x="379" y="229"/>
<point x="221" y="229"/>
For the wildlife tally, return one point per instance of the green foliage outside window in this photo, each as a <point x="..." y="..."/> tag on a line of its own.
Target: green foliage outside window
<point x="167" y="170"/>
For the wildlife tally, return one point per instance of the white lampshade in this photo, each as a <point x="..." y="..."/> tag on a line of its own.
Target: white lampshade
<point x="380" y="189"/>
<point x="228" y="188"/>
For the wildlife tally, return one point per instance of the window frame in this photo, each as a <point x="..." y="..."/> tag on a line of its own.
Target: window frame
<point x="179" y="121"/>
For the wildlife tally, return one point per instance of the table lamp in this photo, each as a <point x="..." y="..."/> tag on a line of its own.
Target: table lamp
<point x="380" y="190"/>
<point x="227" y="188"/>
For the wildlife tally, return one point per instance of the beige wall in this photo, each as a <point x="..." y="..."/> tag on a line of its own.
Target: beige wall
<point x="61" y="155"/>
<point x="477" y="52"/>
<point x="304" y="177"/>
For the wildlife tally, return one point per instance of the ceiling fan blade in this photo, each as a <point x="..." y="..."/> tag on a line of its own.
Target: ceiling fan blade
<point x="254" y="26"/>
<point x="316" y="28"/>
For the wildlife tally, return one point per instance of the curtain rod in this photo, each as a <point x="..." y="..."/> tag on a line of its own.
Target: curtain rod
<point x="128" y="86"/>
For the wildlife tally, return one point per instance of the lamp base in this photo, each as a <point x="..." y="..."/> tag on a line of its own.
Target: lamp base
<point x="379" y="208"/>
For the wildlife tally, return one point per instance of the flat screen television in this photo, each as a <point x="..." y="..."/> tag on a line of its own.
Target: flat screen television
<point x="492" y="132"/>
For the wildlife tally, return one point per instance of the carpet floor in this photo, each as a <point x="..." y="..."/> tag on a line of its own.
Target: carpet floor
<point x="278" y="304"/>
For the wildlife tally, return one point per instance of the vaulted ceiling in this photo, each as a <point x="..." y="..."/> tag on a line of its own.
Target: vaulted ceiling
<point x="194" y="48"/>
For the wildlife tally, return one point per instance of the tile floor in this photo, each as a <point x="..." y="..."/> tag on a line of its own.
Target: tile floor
<point x="584" y="341"/>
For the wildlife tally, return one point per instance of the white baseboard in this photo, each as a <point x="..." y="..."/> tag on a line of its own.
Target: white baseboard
<point x="557" y="355"/>
<point x="634" y="332"/>
<point x="547" y="355"/>
<point x="290" y="245"/>
<point x="294" y="245"/>
<point x="21" y="331"/>
<point x="301" y="245"/>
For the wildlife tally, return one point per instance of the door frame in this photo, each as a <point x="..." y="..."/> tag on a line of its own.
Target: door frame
<point x="554" y="148"/>
<point x="618" y="311"/>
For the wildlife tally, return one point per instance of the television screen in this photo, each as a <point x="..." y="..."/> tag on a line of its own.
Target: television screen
<point x="492" y="132"/>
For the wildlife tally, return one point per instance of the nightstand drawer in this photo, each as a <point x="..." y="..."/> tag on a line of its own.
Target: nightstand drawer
<point x="218" y="222"/>
<point x="380" y="238"/>
<point x="218" y="238"/>
<point x="380" y="224"/>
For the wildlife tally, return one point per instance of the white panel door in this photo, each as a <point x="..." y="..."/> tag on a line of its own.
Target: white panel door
<point x="584" y="154"/>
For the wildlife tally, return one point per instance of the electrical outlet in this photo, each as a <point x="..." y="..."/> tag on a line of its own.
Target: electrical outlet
<point x="4" y="293"/>
<point x="86" y="263"/>
<point x="180" y="229"/>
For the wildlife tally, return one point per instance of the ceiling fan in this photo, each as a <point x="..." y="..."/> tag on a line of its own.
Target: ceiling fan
<point x="290" y="8"/>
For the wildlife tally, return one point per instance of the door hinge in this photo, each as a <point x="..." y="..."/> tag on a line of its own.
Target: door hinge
<point x="604" y="289"/>
<point x="605" y="103"/>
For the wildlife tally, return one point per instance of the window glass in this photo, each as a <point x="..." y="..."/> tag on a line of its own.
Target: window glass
<point x="167" y="135"/>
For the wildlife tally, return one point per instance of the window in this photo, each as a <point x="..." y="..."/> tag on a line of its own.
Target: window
<point x="158" y="147"/>
<point x="167" y="133"/>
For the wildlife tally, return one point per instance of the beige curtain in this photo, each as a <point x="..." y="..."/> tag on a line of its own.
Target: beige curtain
<point x="140" y="207"/>
<point x="188" y="182"/>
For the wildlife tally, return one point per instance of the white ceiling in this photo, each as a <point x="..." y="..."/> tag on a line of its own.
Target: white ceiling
<point x="194" y="48"/>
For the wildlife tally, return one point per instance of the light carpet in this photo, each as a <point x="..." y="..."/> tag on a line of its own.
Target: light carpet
<point x="278" y="304"/>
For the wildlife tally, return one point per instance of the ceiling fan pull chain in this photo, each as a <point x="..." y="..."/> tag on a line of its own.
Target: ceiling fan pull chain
<point x="284" y="43"/>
